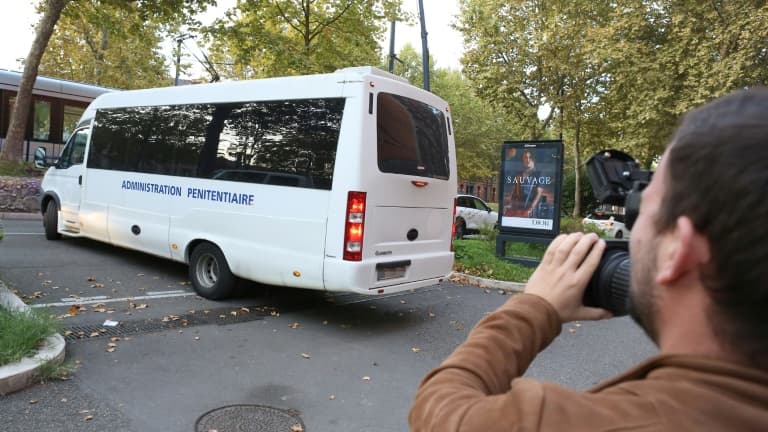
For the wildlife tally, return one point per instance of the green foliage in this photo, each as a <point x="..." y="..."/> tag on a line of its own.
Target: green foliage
<point x="23" y="331"/>
<point x="115" y="43"/>
<point x="567" y="202"/>
<point x="19" y="169"/>
<point x="617" y="75"/>
<point x="286" y="37"/>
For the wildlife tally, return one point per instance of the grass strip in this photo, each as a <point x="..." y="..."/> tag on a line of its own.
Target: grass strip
<point x="22" y="332"/>
<point x="477" y="257"/>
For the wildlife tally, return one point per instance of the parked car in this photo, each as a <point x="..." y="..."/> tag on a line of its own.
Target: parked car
<point x="612" y="224"/>
<point x="472" y="214"/>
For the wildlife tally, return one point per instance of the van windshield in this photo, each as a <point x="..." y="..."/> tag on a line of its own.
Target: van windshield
<point x="412" y="137"/>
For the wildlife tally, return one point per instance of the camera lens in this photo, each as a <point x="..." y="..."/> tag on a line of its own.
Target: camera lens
<point x="609" y="286"/>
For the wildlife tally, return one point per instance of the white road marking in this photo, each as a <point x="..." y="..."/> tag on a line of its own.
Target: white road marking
<point x="92" y="300"/>
<point x="22" y="233"/>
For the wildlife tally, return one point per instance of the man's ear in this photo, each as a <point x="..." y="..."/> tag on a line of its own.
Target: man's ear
<point x="686" y="249"/>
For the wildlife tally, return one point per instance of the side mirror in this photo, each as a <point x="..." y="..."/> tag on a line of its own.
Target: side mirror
<point x="40" y="158"/>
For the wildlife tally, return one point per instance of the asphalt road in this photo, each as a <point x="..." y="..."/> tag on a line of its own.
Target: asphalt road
<point x="333" y="362"/>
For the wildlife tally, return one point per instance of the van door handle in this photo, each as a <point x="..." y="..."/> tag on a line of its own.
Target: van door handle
<point x="80" y="180"/>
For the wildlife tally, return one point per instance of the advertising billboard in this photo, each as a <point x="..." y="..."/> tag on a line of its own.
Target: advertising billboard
<point x="529" y="192"/>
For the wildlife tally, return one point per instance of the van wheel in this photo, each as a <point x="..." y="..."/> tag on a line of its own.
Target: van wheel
<point x="461" y="229"/>
<point x="51" y="221"/>
<point x="209" y="272"/>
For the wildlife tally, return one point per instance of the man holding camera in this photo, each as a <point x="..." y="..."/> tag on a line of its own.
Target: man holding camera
<point x="699" y="289"/>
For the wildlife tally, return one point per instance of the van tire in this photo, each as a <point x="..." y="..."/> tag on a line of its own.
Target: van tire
<point x="210" y="273"/>
<point x="51" y="221"/>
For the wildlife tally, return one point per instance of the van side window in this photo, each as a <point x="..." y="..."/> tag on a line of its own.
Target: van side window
<point x="74" y="152"/>
<point x="288" y="142"/>
<point x="411" y="137"/>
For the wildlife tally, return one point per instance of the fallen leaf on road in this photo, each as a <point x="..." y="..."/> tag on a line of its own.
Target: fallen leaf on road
<point x="233" y="313"/>
<point x="73" y="310"/>
<point x="114" y="339"/>
<point x="572" y="330"/>
<point x="68" y="333"/>
<point x="197" y="338"/>
<point x="111" y="350"/>
<point x="88" y="418"/>
<point x="91" y="279"/>
<point x="332" y="397"/>
<point x="140" y="274"/>
<point x="245" y="309"/>
<point x="97" y="285"/>
<point x="431" y="315"/>
<point x="295" y="325"/>
<point x="366" y="378"/>
<point x="112" y="345"/>
<point x="94" y="334"/>
<point x="306" y="356"/>
<point x="99" y="310"/>
<point x="414" y="349"/>
<point x="297" y="428"/>
<point x="402" y="301"/>
<point x="138" y="305"/>
<point x="33" y="401"/>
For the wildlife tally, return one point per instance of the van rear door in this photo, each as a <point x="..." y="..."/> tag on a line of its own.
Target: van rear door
<point x="409" y="209"/>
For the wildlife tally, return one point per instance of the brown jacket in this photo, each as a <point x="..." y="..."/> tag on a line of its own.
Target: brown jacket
<point x="478" y="388"/>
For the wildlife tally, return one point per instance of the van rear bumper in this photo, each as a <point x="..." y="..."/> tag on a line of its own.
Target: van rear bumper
<point x="364" y="277"/>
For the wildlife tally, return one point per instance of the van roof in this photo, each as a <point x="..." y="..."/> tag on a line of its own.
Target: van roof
<point x="305" y="86"/>
<point x="370" y="70"/>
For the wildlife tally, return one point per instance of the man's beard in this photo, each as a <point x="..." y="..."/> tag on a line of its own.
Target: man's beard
<point x="642" y="293"/>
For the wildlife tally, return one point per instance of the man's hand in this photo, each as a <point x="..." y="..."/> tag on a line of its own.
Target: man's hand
<point x="564" y="272"/>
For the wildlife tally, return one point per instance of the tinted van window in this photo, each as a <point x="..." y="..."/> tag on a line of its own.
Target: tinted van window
<point x="411" y="137"/>
<point x="289" y="143"/>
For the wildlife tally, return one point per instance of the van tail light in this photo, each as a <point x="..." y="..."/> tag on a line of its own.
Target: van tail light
<point x="453" y="224"/>
<point x="353" y="227"/>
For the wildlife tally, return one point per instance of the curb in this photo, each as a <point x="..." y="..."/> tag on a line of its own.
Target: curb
<point x="20" y="216"/>
<point x="16" y="376"/>
<point x="511" y="287"/>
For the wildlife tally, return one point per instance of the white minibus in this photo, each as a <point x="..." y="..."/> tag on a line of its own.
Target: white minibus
<point x="340" y="182"/>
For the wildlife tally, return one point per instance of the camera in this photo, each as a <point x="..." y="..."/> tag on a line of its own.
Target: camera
<point x="616" y="179"/>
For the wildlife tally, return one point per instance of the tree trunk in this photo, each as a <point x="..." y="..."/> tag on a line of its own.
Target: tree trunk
<point x="577" y="175"/>
<point x="14" y="143"/>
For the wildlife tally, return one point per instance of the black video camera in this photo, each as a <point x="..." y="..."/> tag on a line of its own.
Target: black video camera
<point x="616" y="179"/>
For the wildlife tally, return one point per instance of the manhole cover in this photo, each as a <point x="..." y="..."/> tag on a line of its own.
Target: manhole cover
<point x="249" y="418"/>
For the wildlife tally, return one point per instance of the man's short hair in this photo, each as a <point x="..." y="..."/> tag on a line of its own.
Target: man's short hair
<point x="717" y="168"/>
